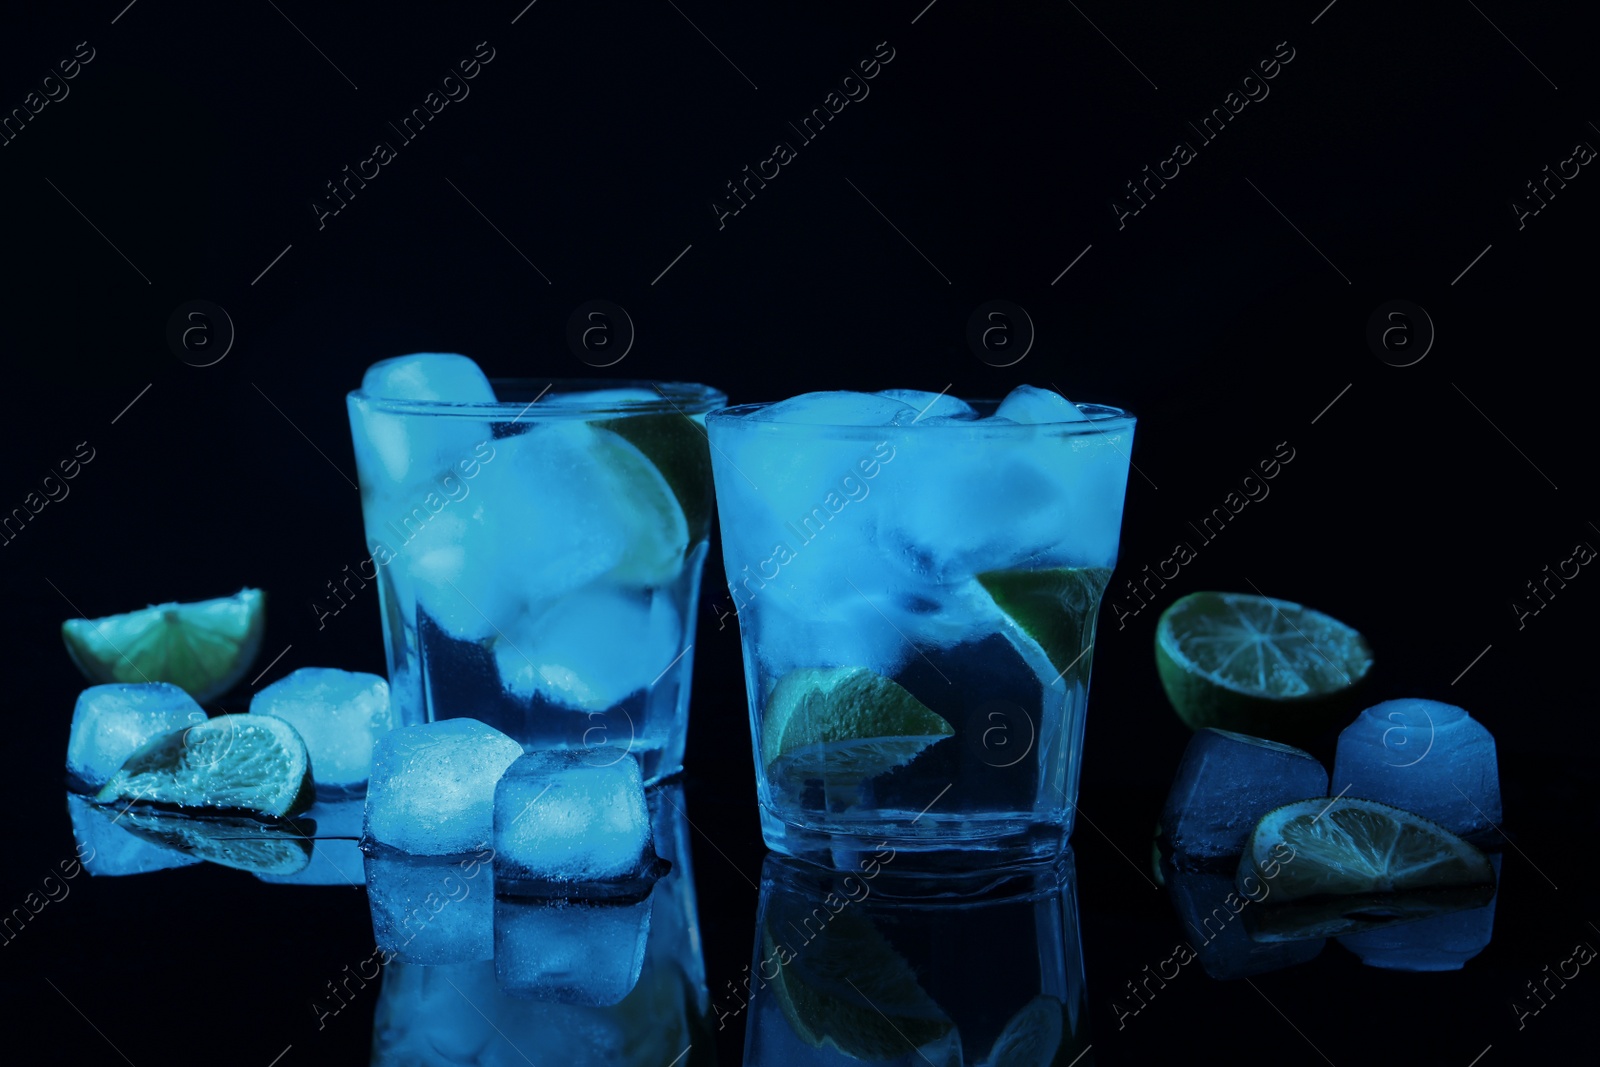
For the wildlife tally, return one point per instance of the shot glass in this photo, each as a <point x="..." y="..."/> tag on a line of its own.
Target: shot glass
<point x="917" y="606"/>
<point x="538" y="558"/>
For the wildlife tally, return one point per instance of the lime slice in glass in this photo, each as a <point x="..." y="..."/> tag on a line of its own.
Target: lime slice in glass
<point x="204" y="647"/>
<point x="1346" y="847"/>
<point x="1259" y="666"/>
<point x="659" y="535"/>
<point x="846" y="988"/>
<point x="1055" y="607"/>
<point x="843" y="725"/>
<point x="1032" y="1037"/>
<point x="677" y="445"/>
<point x="232" y="842"/>
<point x="237" y="762"/>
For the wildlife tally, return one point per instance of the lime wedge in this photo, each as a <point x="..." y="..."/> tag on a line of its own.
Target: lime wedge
<point x="238" y="762"/>
<point x="843" y="725"/>
<point x="659" y="536"/>
<point x="1032" y="1036"/>
<point x="1056" y="607"/>
<point x="204" y="647"/>
<point x="1259" y="666"/>
<point x="244" y="844"/>
<point x="1323" y="917"/>
<point x="677" y="445"/>
<point x="845" y="988"/>
<point x="1346" y="847"/>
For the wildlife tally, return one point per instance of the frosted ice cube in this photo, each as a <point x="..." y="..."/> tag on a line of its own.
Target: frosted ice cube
<point x="1441" y="943"/>
<point x="838" y="408"/>
<point x="443" y="376"/>
<point x="112" y="722"/>
<point x="570" y="952"/>
<point x="1225" y="783"/>
<point x="340" y="714"/>
<point x="571" y="815"/>
<point x="548" y="514"/>
<point x="1423" y="756"/>
<point x="963" y="498"/>
<point x="1210" y="906"/>
<point x="431" y="909"/>
<point x="432" y="786"/>
<point x="931" y="405"/>
<point x="106" y="849"/>
<point x="1027" y="403"/>
<point x="590" y="649"/>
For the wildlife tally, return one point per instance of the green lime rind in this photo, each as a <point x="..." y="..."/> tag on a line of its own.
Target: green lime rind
<point x="243" y="844"/>
<point x="246" y="762"/>
<point x="842" y="986"/>
<point x="842" y="766"/>
<point x="813" y="706"/>
<point x="1055" y="607"/>
<point x="204" y="647"/>
<point x="1259" y="666"/>
<point x="677" y="445"/>
<point x="1348" y="846"/>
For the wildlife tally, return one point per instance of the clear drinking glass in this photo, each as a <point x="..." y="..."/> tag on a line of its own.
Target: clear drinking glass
<point x="917" y="606"/>
<point x="538" y="559"/>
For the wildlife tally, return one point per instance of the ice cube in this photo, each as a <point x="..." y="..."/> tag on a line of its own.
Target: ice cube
<point x="931" y="405"/>
<point x="966" y="497"/>
<point x="590" y="649"/>
<point x="111" y="722"/>
<point x="570" y="952"/>
<point x="1209" y="906"/>
<point x="1225" y="783"/>
<point x="1026" y="403"/>
<point x="571" y="815"/>
<point x="432" y="786"/>
<point x="556" y="508"/>
<point x="107" y="849"/>
<point x="340" y="714"/>
<point x="839" y="408"/>
<point x="1441" y="943"/>
<point x="1423" y="756"/>
<point x="443" y="376"/>
<point x="431" y="909"/>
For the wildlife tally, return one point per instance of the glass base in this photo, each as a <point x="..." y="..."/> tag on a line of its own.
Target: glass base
<point x="941" y="845"/>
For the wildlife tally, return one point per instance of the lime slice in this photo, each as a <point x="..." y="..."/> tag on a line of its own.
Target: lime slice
<point x="1032" y="1036"/>
<point x="846" y="988"/>
<point x="1056" y="607"/>
<point x="843" y="725"/>
<point x="678" y="447"/>
<point x="204" y="647"/>
<point x="240" y="843"/>
<point x="242" y="762"/>
<point x="659" y="535"/>
<point x="1258" y="666"/>
<point x="1324" y="917"/>
<point x="1344" y="847"/>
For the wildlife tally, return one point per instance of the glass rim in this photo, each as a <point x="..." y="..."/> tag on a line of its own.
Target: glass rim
<point x="682" y="398"/>
<point x="1102" y="418"/>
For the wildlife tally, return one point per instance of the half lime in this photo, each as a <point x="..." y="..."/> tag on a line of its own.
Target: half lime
<point x="1259" y="666"/>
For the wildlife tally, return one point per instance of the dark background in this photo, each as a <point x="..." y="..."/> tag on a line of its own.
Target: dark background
<point x="985" y="160"/>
